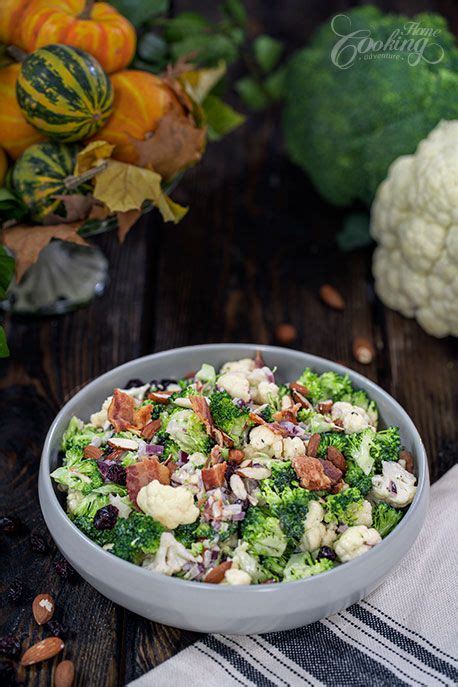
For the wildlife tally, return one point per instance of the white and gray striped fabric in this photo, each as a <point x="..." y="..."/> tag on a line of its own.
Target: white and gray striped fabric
<point x="404" y="633"/>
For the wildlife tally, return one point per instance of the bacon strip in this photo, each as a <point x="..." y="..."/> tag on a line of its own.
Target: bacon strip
<point x="214" y="477"/>
<point x="202" y="410"/>
<point x="160" y="396"/>
<point x="142" y="473"/>
<point x="121" y="411"/>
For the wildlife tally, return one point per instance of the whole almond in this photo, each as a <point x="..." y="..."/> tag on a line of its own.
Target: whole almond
<point x="331" y="297"/>
<point x="64" y="674"/>
<point x="285" y="333"/>
<point x="41" y="651"/>
<point x="363" y="350"/>
<point x="216" y="575"/>
<point x="43" y="608"/>
<point x="92" y="452"/>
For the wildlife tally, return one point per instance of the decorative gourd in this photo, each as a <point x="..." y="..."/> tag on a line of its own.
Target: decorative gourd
<point x="11" y="17"/>
<point x="16" y="134"/>
<point x="140" y="100"/>
<point x="97" y="28"/>
<point x="3" y="166"/>
<point x="39" y="175"/>
<point x="64" y="92"/>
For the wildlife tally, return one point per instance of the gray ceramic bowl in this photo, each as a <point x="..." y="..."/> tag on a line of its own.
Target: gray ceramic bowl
<point x="213" y="608"/>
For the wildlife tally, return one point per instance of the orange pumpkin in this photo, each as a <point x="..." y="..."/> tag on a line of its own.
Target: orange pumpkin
<point x="3" y="166"/>
<point x="97" y="28"/>
<point x="140" y="100"/>
<point x="15" y="133"/>
<point x="11" y="16"/>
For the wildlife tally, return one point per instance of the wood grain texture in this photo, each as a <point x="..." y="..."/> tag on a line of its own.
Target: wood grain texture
<point x="252" y="253"/>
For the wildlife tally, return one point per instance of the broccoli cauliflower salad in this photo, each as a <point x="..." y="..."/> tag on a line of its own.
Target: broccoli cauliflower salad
<point x="233" y="478"/>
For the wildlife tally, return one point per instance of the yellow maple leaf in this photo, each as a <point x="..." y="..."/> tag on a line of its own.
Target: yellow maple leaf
<point x="92" y="155"/>
<point x="124" y="187"/>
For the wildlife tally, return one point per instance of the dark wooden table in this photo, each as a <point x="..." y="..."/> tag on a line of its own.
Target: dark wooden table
<point x="252" y="253"/>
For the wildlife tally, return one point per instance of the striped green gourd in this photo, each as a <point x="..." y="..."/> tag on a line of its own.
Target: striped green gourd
<point x="64" y="92"/>
<point x="39" y="175"/>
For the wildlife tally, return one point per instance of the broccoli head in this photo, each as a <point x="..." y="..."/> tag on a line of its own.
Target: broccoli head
<point x="355" y="477"/>
<point x="283" y="476"/>
<point x="290" y="506"/>
<point x="337" y="439"/>
<point x="368" y="449"/>
<point x="196" y="531"/>
<point x="76" y="437"/>
<point x="325" y="386"/>
<point x="85" y="523"/>
<point x="344" y="507"/>
<point x="136" y="536"/>
<point x="301" y="565"/>
<point x="228" y="416"/>
<point x="345" y="126"/>
<point x="385" y="518"/>
<point x="96" y="499"/>
<point x="188" y="432"/>
<point x="263" y="533"/>
<point x="83" y="476"/>
<point x="387" y="445"/>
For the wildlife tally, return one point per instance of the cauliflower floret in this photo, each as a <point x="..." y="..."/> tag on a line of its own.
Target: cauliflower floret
<point x="354" y="418"/>
<point x="265" y="441"/>
<point x="100" y="419"/>
<point x="414" y="221"/>
<point x="355" y="541"/>
<point x="236" y="385"/>
<point x="266" y="392"/>
<point x="293" y="447"/>
<point x="245" y="365"/>
<point x="170" y="557"/>
<point x="171" y="506"/>
<point x="314" y="528"/>
<point x="364" y="514"/>
<point x="395" y="485"/>
<point x="235" y="576"/>
<point x="330" y="535"/>
<point x="242" y="560"/>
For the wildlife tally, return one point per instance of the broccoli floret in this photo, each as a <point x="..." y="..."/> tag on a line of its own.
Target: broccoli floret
<point x="90" y="504"/>
<point x="136" y="536"/>
<point x="228" y="416"/>
<point x="368" y="449"/>
<point x="301" y="565"/>
<point x="188" y="432"/>
<point x="337" y="439"/>
<point x="83" y="476"/>
<point x="355" y="477"/>
<point x="292" y="511"/>
<point x="85" y="523"/>
<point x="190" y="534"/>
<point x="273" y="567"/>
<point x="227" y="530"/>
<point x="387" y="445"/>
<point x="76" y="437"/>
<point x="385" y="518"/>
<point x="267" y="413"/>
<point x="263" y="533"/>
<point x="344" y="506"/>
<point x="325" y="386"/>
<point x="282" y="476"/>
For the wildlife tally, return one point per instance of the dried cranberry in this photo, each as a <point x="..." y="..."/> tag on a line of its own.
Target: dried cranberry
<point x="133" y="383"/>
<point x="230" y="469"/>
<point x="37" y="543"/>
<point x="327" y="552"/>
<point x="105" y="518"/>
<point x="112" y="471"/>
<point x="16" y="590"/>
<point x="57" y="629"/>
<point x="64" y="569"/>
<point x="9" y="525"/>
<point x="10" y="645"/>
<point x="7" y="674"/>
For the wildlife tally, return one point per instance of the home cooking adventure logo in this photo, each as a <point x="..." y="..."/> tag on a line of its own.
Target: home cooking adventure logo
<point x="411" y="42"/>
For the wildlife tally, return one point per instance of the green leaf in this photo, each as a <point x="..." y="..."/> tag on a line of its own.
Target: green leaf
<point x="355" y="232"/>
<point x="184" y="26"/>
<point x="221" y="117"/>
<point x="4" y="350"/>
<point x="140" y="11"/>
<point x="11" y="207"/>
<point x="251" y="93"/>
<point x="152" y="48"/>
<point x="274" y="84"/>
<point x="6" y="271"/>
<point x="210" y="49"/>
<point x="235" y="10"/>
<point x="267" y="51"/>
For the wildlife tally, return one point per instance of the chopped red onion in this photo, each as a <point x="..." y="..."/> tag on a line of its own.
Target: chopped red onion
<point x="292" y="429"/>
<point x="154" y="450"/>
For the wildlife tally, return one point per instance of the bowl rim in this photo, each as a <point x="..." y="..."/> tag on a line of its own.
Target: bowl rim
<point x="46" y="483"/>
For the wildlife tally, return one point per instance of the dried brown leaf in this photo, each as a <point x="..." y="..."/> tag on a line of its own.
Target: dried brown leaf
<point x="77" y="206"/>
<point x="126" y="221"/>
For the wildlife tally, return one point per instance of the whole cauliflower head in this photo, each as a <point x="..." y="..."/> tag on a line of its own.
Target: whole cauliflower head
<point x="170" y="557"/>
<point x="355" y="541"/>
<point x="415" y="222"/>
<point x="395" y="485"/>
<point x="171" y="506"/>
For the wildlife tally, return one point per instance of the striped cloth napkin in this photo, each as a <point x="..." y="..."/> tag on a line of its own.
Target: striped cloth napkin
<point x="404" y="633"/>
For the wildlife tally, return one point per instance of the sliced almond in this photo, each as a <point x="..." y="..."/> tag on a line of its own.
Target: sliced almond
<point x="64" y="674"/>
<point x="124" y="444"/>
<point x="331" y="297"/>
<point x="183" y="402"/>
<point x="238" y="488"/>
<point x="216" y="575"/>
<point x="363" y="350"/>
<point x="254" y="472"/>
<point x="41" y="651"/>
<point x="92" y="452"/>
<point x="43" y="608"/>
<point x="160" y="396"/>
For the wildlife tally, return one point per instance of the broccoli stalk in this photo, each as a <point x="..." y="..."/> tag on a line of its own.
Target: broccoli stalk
<point x="228" y="416"/>
<point x="301" y="565"/>
<point x="344" y="506"/>
<point x="263" y="533"/>
<point x="385" y="518"/>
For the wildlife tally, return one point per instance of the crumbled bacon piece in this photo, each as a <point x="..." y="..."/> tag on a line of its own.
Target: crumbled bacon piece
<point x="214" y="477"/>
<point x="257" y="419"/>
<point x="160" y="396"/>
<point x="202" y="410"/>
<point x="339" y="423"/>
<point x="297" y="386"/>
<point x="336" y="457"/>
<point x="312" y="446"/>
<point x="151" y="428"/>
<point x="92" y="452"/>
<point x="142" y="473"/>
<point x="288" y="414"/>
<point x="171" y="467"/>
<point x="115" y="454"/>
<point x="325" y="407"/>
<point x="408" y="458"/>
<point x="310" y="472"/>
<point x="236" y="456"/>
<point x="121" y="411"/>
<point x="330" y="470"/>
<point x="216" y="574"/>
<point x="142" y="415"/>
<point x="216" y="455"/>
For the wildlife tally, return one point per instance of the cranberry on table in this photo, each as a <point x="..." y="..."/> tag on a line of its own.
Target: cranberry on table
<point x="10" y="646"/>
<point x="9" y="525"/>
<point x="64" y="569"/>
<point x="105" y="518"/>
